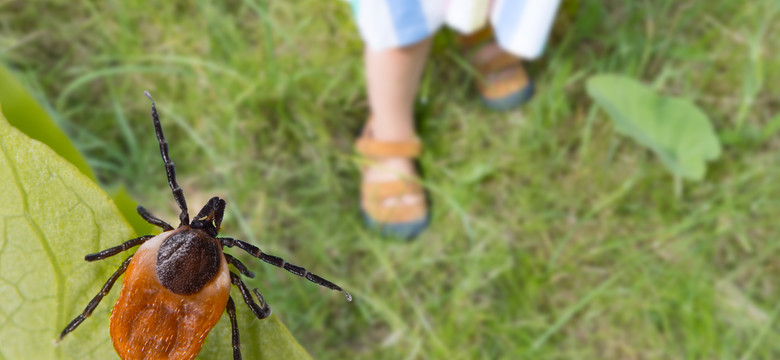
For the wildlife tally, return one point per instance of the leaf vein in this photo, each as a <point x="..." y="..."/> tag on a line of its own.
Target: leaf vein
<point x="59" y="278"/>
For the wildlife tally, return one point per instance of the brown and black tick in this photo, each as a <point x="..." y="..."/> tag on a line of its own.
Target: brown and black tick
<point x="177" y="284"/>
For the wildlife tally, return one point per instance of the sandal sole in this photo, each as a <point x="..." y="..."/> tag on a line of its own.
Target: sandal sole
<point x="510" y="101"/>
<point x="404" y="231"/>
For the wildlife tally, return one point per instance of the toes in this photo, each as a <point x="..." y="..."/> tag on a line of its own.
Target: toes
<point x="405" y="200"/>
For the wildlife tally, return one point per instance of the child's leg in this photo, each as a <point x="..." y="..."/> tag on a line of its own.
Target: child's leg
<point x="393" y="79"/>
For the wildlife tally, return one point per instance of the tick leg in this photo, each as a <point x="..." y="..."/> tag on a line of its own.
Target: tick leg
<point x="118" y="249"/>
<point x="153" y="219"/>
<point x="279" y="262"/>
<point x="170" y="169"/>
<point x="239" y="266"/>
<point x="262" y="311"/>
<point x="96" y="300"/>
<point x="231" y="310"/>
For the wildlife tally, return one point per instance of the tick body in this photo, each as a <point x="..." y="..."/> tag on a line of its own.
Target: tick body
<point x="177" y="284"/>
<point x="180" y="308"/>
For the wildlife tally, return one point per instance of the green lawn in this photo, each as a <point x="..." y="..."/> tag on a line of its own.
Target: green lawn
<point x="553" y="237"/>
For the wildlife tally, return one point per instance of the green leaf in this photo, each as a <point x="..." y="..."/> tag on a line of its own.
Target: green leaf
<point x="52" y="215"/>
<point x="266" y="339"/>
<point x="24" y="113"/>
<point x="674" y="128"/>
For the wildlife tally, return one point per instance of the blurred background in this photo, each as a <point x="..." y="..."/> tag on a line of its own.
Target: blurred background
<point x="553" y="236"/>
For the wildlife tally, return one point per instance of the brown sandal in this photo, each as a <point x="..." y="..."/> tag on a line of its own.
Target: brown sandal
<point x="504" y="83"/>
<point x="401" y="220"/>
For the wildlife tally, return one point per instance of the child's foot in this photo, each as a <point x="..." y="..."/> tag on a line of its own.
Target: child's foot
<point x="503" y="83"/>
<point x="392" y="199"/>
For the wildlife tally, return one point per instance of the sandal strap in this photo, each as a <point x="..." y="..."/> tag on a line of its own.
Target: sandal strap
<point x="389" y="189"/>
<point x="374" y="194"/>
<point x="378" y="149"/>
<point x="505" y="85"/>
<point x="472" y="42"/>
<point x="496" y="63"/>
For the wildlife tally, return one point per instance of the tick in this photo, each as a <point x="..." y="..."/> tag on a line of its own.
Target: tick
<point x="177" y="284"/>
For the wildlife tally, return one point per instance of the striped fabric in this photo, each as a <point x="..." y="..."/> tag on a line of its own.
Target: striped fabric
<point x="397" y="23"/>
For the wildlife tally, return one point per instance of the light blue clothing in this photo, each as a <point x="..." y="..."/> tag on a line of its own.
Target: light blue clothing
<point x="396" y="23"/>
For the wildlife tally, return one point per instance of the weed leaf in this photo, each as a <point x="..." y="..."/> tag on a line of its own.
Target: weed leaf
<point x="674" y="128"/>
<point x="52" y="215"/>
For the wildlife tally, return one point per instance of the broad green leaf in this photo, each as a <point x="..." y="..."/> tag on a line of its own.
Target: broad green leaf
<point x="52" y="215"/>
<point x="674" y="128"/>
<point x="24" y="113"/>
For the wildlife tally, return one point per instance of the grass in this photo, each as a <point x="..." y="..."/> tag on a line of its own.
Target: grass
<point x="553" y="237"/>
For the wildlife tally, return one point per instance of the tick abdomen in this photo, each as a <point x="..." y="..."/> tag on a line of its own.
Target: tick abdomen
<point x="151" y="322"/>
